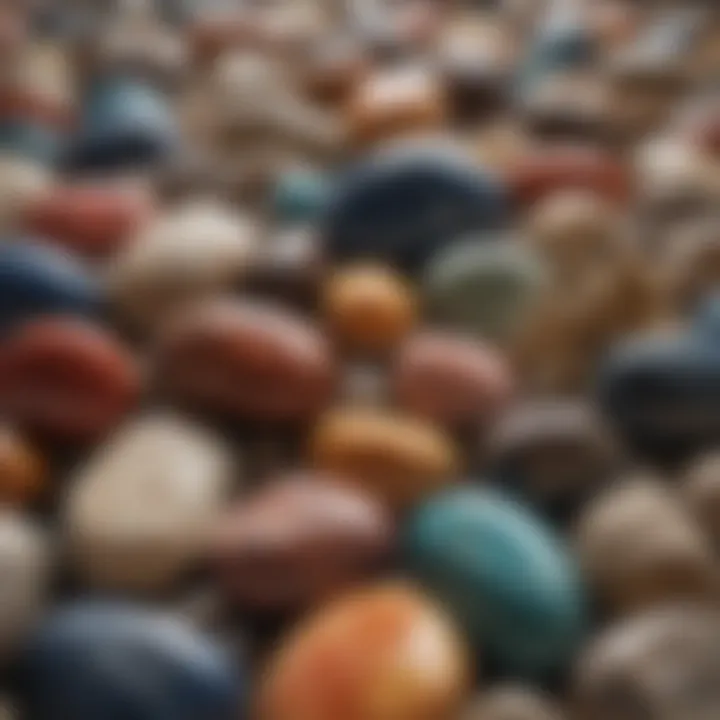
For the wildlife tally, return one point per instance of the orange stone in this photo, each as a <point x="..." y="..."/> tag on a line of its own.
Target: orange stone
<point x="369" y="308"/>
<point x="385" y="653"/>
<point x="23" y="472"/>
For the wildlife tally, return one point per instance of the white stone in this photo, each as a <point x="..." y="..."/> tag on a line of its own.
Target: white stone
<point x="138" y="514"/>
<point x="202" y="248"/>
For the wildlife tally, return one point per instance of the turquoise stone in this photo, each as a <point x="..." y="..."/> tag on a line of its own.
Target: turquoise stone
<point x="483" y="288"/>
<point x="300" y="196"/>
<point x="504" y="576"/>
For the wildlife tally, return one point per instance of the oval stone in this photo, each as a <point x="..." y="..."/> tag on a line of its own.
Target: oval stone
<point x="125" y="124"/>
<point x="201" y="248"/>
<point x="368" y="308"/>
<point x="452" y="379"/>
<point x="505" y="577"/>
<point x="397" y="457"/>
<point x="301" y="538"/>
<point x="66" y="379"/>
<point x="383" y="652"/>
<point x="403" y="204"/>
<point x="485" y="288"/>
<point x="247" y="360"/>
<point x="139" y="513"/>
<point x="652" y="665"/>
<point x="556" y="453"/>
<point x="100" y="659"/>
<point x="640" y="547"/>
<point x="91" y="220"/>
<point x="36" y="279"/>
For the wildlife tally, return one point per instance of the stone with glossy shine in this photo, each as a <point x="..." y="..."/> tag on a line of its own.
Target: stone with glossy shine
<point x="507" y="579"/>
<point x="382" y="653"/>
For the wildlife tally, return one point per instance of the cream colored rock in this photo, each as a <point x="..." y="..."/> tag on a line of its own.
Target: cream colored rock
<point x="21" y="181"/>
<point x="138" y="513"/>
<point x="25" y="564"/>
<point x="202" y="248"/>
<point x="640" y="547"/>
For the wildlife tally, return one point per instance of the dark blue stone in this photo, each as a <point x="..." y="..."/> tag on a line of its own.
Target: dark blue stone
<point x="403" y="205"/>
<point x="107" y="661"/>
<point x="31" y="140"/>
<point x="503" y="575"/>
<point x="662" y="391"/>
<point x="125" y="123"/>
<point x="37" y="279"/>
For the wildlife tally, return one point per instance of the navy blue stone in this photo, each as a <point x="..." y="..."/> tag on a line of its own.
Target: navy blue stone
<point x="31" y="140"/>
<point x="125" y="123"/>
<point x="108" y="661"/>
<point x="662" y="392"/>
<point x="38" y="279"/>
<point x="403" y="205"/>
<point x="509" y="582"/>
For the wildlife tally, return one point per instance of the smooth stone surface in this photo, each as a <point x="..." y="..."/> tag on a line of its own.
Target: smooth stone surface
<point x="452" y="379"/>
<point x="22" y="181"/>
<point x="393" y="455"/>
<point x="641" y="547"/>
<point x="504" y="576"/>
<point x="555" y="453"/>
<point x="404" y="204"/>
<point x="302" y="538"/>
<point x="36" y="279"/>
<point x="368" y="308"/>
<point x="66" y="379"/>
<point x="658" y="664"/>
<point x="125" y="124"/>
<point x="385" y="652"/>
<point x="248" y="361"/>
<point x="103" y="660"/>
<point x="25" y="568"/>
<point x="484" y="287"/>
<point x="661" y="391"/>
<point x="139" y="512"/>
<point x="201" y="248"/>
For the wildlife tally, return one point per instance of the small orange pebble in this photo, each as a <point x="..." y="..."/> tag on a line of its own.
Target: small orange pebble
<point x="383" y="653"/>
<point x="369" y="308"/>
<point x="23" y="472"/>
<point x="397" y="457"/>
<point x="393" y="104"/>
<point x="545" y="171"/>
<point x="93" y="221"/>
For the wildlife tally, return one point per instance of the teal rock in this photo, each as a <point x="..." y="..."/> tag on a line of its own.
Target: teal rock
<point x="300" y="196"/>
<point x="483" y="288"/>
<point x="503" y="575"/>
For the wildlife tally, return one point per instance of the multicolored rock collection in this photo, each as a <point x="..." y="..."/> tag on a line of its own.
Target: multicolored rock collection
<point x="359" y="360"/>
